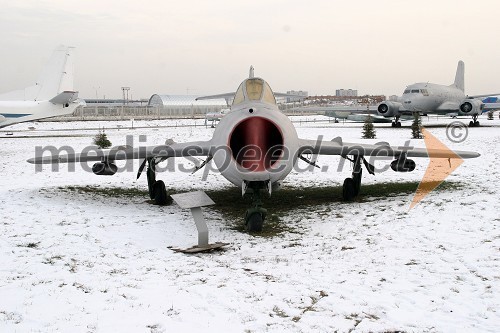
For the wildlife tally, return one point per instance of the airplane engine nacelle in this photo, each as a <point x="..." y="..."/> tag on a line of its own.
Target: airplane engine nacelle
<point x="388" y="108"/>
<point x="104" y="169"/>
<point x="470" y="107"/>
<point x="406" y="165"/>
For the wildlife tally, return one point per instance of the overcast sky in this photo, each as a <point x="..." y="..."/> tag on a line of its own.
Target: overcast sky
<point x="206" y="47"/>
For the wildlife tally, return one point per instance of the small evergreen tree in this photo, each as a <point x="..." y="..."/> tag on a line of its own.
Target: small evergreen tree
<point x="101" y="140"/>
<point x="490" y="115"/>
<point x="416" y="126"/>
<point x="368" y="129"/>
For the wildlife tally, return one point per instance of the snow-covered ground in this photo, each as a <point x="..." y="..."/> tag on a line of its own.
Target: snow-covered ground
<point x="87" y="262"/>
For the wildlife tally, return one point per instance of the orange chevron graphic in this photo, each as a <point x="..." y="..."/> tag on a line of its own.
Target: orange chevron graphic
<point x="437" y="170"/>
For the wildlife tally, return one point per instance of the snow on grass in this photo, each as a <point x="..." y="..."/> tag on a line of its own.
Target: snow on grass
<point x="79" y="255"/>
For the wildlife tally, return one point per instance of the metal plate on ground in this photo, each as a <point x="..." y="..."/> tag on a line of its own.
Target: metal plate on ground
<point x="201" y="249"/>
<point x="192" y="199"/>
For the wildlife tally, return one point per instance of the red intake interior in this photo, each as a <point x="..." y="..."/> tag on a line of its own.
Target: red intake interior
<point x="256" y="143"/>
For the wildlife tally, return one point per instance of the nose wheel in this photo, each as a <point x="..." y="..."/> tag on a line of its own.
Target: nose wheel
<point x="256" y="215"/>
<point x="254" y="219"/>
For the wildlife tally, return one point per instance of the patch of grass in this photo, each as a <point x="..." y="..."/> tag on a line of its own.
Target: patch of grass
<point x="311" y="307"/>
<point x="31" y="245"/>
<point x="106" y="191"/>
<point x="411" y="262"/>
<point x="279" y="312"/>
<point x="289" y="200"/>
<point x="52" y="260"/>
<point x="230" y="203"/>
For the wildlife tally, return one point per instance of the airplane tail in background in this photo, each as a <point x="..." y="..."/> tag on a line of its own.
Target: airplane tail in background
<point x="56" y="77"/>
<point x="459" y="76"/>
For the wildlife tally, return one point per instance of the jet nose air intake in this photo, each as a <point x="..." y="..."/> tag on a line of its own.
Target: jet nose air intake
<point x="256" y="144"/>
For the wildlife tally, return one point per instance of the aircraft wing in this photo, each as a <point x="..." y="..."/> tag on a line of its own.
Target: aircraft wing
<point x="491" y="107"/>
<point x="338" y="108"/>
<point x="382" y="149"/>
<point x="480" y="96"/>
<point x="195" y="148"/>
<point x="219" y="96"/>
<point x="448" y="106"/>
<point x="231" y="95"/>
<point x="65" y="97"/>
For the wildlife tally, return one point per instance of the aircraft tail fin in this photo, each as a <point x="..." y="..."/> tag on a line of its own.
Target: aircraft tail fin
<point x="56" y="77"/>
<point x="459" y="76"/>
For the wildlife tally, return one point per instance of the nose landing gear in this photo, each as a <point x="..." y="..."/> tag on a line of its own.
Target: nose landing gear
<point x="255" y="215"/>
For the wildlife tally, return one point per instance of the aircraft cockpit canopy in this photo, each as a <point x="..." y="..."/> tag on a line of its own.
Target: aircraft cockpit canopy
<point x="424" y="92"/>
<point x="254" y="89"/>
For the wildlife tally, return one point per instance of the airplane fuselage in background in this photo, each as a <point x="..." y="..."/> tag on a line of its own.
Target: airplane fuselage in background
<point x="425" y="97"/>
<point x="12" y="112"/>
<point x="431" y="98"/>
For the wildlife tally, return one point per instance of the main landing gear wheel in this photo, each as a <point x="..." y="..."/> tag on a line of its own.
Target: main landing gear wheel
<point x="160" y="193"/>
<point x="349" y="189"/>
<point x="395" y="122"/>
<point x="356" y="178"/>
<point x="474" y="122"/>
<point x="156" y="189"/>
<point x="352" y="186"/>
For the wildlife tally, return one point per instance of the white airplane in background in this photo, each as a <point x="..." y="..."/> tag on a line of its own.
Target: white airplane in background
<point x="430" y="98"/>
<point x="215" y="116"/>
<point x="52" y="95"/>
<point x="255" y="146"/>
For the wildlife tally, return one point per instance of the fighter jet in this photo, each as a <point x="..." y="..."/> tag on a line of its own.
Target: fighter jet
<point x="255" y="146"/>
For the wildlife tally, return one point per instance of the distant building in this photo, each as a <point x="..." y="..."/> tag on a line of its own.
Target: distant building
<point x="296" y="99"/>
<point x="92" y="102"/>
<point x="346" y="92"/>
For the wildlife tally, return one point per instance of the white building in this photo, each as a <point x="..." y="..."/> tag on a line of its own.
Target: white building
<point x="346" y="92"/>
<point x="185" y="104"/>
<point x="298" y="93"/>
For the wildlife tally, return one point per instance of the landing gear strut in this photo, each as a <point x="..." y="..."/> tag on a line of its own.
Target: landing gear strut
<point x="157" y="190"/>
<point x="255" y="216"/>
<point x="396" y="122"/>
<point x="351" y="187"/>
<point x="474" y="122"/>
